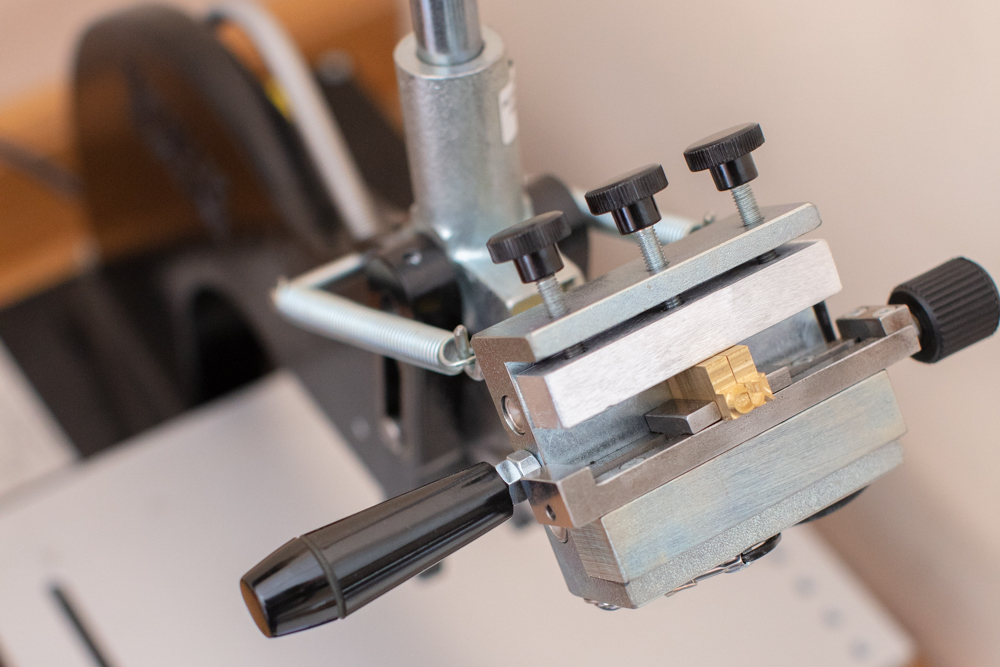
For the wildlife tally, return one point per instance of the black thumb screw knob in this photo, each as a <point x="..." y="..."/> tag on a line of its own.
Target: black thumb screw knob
<point x="727" y="155"/>
<point x="955" y="304"/>
<point x="531" y="245"/>
<point x="629" y="198"/>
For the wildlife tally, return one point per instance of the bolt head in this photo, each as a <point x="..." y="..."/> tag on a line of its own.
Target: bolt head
<point x="508" y="472"/>
<point x="513" y="414"/>
<point x="525" y="462"/>
<point x="560" y="533"/>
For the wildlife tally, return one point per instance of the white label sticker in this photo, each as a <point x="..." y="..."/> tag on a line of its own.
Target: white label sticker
<point x="508" y="111"/>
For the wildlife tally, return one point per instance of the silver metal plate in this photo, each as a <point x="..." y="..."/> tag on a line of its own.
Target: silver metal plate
<point x="874" y="321"/>
<point x="629" y="290"/>
<point x="579" y="495"/>
<point x="683" y="417"/>
<point x="748" y="479"/>
<point x="787" y="512"/>
<point x="561" y="393"/>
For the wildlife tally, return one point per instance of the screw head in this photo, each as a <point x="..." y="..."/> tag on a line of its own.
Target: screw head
<point x="531" y="245"/>
<point x="524" y="461"/>
<point x="629" y="198"/>
<point x="559" y="533"/>
<point x="513" y="415"/>
<point x="727" y="155"/>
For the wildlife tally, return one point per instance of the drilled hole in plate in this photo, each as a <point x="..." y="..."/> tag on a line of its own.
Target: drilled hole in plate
<point x="549" y="512"/>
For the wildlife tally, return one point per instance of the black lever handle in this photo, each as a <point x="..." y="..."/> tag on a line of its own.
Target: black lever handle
<point x="329" y="573"/>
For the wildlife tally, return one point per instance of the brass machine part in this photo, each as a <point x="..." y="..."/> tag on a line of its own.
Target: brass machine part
<point x="730" y="378"/>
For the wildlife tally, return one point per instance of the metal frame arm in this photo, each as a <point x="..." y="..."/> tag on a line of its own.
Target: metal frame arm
<point x="305" y="301"/>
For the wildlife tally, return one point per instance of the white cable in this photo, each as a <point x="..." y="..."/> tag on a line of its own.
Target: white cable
<point x="311" y="117"/>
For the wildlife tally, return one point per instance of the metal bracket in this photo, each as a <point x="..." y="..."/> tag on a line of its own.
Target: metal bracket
<point x="629" y="290"/>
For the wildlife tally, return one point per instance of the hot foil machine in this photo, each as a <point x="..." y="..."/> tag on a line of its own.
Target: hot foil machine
<point x="668" y="419"/>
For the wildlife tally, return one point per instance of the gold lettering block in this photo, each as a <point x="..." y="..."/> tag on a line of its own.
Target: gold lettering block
<point x="730" y="379"/>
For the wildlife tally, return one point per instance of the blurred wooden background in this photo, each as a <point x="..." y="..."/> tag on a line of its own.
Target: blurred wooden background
<point x="44" y="234"/>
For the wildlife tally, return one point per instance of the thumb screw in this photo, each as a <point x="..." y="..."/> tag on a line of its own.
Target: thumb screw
<point x="531" y="245"/>
<point x="727" y="155"/>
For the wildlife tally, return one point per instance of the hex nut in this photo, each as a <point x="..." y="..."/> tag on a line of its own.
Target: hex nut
<point x="525" y="462"/>
<point x="514" y="468"/>
<point x="508" y="472"/>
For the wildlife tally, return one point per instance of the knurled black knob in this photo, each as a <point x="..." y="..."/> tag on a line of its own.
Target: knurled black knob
<point x="727" y="155"/>
<point x="531" y="245"/>
<point x="629" y="198"/>
<point x="956" y="305"/>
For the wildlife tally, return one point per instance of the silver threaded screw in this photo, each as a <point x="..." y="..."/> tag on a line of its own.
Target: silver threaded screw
<point x="746" y="203"/>
<point x="552" y="296"/>
<point x="555" y="303"/>
<point x="652" y="252"/>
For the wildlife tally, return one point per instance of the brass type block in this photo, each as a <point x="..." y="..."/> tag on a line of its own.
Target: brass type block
<point x="730" y="378"/>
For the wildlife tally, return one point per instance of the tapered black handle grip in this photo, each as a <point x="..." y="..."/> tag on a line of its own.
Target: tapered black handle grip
<point x="329" y="573"/>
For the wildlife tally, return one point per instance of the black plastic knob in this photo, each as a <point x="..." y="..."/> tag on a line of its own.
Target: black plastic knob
<point x="331" y="572"/>
<point x="531" y="245"/>
<point x="629" y="198"/>
<point x="955" y="304"/>
<point x="727" y="155"/>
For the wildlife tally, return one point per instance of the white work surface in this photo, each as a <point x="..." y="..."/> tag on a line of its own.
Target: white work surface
<point x="31" y="443"/>
<point x="151" y="539"/>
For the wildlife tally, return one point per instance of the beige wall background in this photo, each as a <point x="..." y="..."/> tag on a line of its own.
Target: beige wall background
<point x="883" y="114"/>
